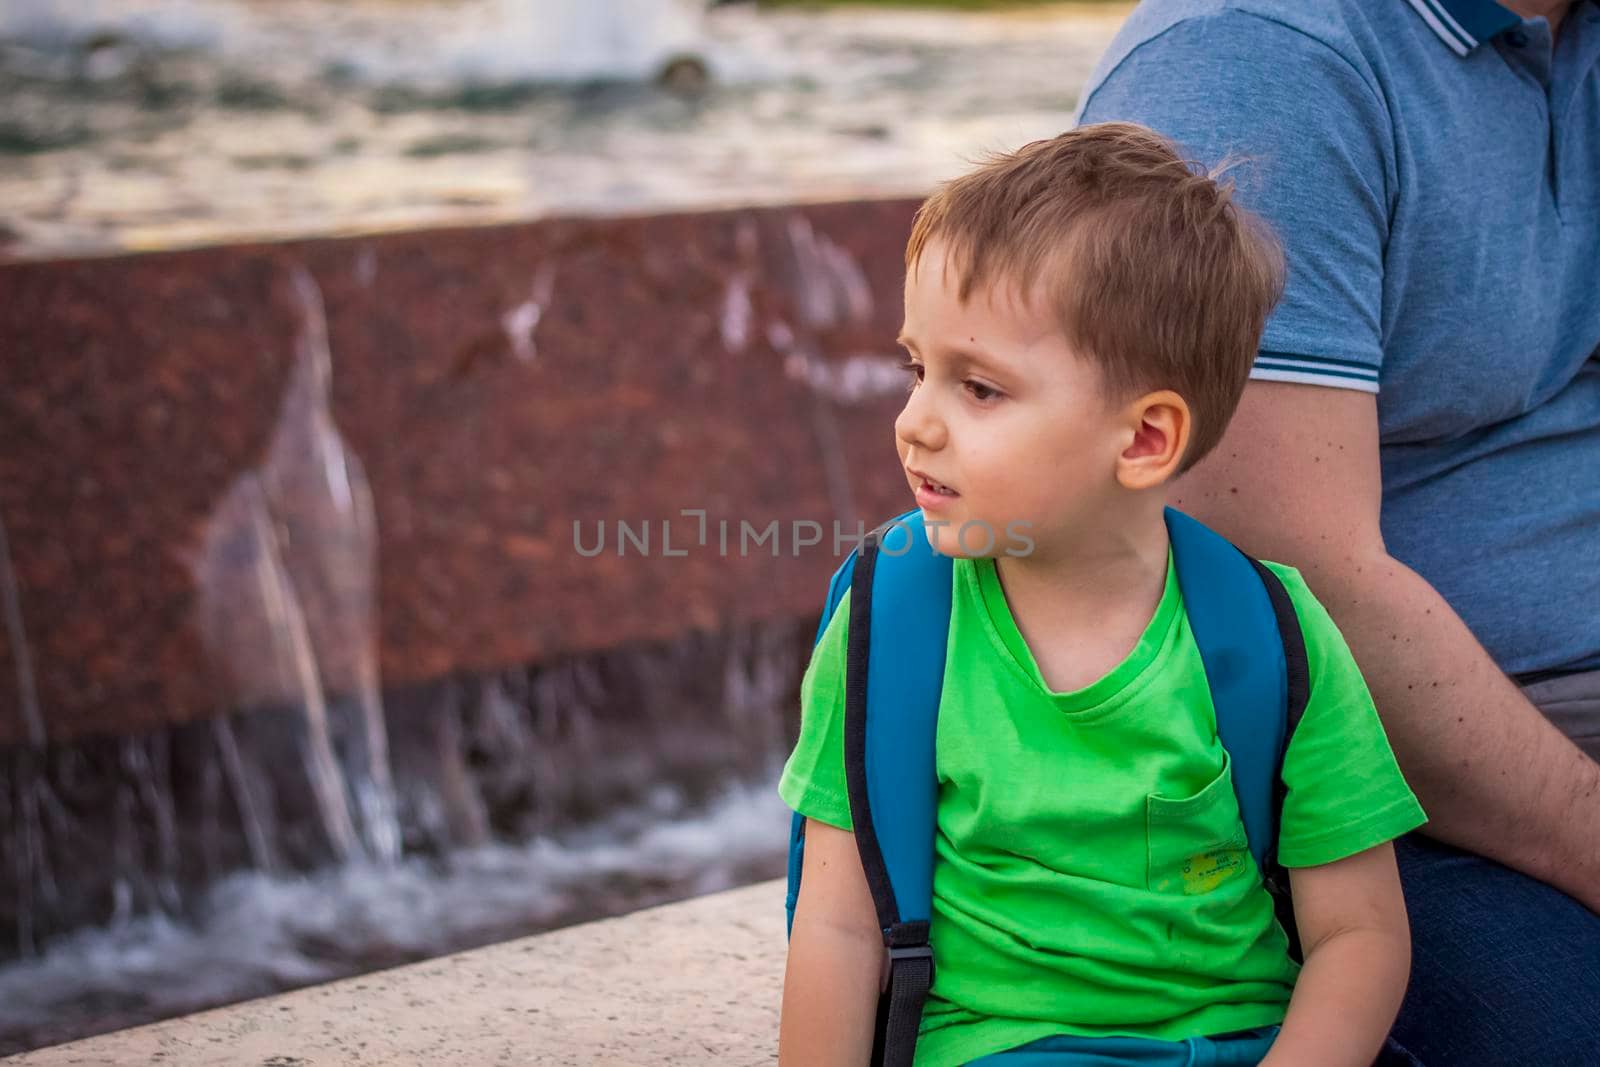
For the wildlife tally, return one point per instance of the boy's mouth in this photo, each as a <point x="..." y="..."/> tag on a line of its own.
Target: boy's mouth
<point x="929" y="485"/>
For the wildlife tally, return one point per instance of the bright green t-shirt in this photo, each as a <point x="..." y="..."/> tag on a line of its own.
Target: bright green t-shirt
<point x="1091" y="871"/>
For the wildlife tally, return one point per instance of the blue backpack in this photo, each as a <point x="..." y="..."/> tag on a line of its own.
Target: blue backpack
<point x="1255" y="662"/>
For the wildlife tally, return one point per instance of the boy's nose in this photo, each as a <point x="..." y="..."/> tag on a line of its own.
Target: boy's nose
<point x="918" y="425"/>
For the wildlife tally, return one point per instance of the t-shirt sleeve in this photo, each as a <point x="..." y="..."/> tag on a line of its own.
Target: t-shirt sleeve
<point x="813" y="781"/>
<point x="1345" y="792"/>
<point x="1313" y="145"/>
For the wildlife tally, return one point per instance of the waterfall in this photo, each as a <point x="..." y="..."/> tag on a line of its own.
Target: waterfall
<point x="286" y="580"/>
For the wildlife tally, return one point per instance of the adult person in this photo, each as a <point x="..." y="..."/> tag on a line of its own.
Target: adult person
<point x="1421" y="437"/>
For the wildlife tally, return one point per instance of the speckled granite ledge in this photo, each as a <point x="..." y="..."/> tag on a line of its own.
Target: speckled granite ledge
<point x="495" y="391"/>
<point x="693" y="982"/>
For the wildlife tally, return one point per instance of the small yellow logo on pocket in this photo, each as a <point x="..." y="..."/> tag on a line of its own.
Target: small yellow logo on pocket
<point x="1203" y="873"/>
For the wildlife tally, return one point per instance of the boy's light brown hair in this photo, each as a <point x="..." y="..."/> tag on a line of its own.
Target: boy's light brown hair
<point x="1154" y="273"/>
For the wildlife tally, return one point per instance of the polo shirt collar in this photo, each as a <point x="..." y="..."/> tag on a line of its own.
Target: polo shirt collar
<point x="1465" y="24"/>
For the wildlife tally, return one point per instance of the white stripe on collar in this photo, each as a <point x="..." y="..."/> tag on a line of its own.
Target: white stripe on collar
<point x="1444" y="26"/>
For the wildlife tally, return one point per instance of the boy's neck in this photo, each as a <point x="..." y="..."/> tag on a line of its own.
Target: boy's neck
<point x="1095" y="586"/>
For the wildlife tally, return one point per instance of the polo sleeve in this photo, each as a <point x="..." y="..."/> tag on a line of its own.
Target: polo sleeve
<point x="813" y="780"/>
<point x="1315" y="160"/>
<point x="1345" y="792"/>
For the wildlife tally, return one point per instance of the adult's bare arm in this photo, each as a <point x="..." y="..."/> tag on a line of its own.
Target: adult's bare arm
<point x="1296" y="479"/>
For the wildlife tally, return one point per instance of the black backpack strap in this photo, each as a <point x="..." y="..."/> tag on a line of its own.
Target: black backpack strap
<point x="900" y="999"/>
<point x="894" y="672"/>
<point x="1299" y="682"/>
<point x="1248" y="635"/>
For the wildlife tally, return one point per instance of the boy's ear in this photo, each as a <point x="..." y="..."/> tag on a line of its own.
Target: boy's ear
<point x="1161" y="424"/>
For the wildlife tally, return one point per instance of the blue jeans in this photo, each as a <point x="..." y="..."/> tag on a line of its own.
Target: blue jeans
<point x="1243" y="1049"/>
<point x="1505" y="969"/>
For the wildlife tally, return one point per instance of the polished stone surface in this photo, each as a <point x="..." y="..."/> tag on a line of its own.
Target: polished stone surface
<point x="694" y="982"/>
<point x="168" y="447"/>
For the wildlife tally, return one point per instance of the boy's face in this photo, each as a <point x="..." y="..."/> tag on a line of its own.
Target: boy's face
<point x="1002" y="413"/>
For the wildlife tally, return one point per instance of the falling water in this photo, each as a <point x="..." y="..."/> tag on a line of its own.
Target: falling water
<point x="318" y="489"/>
<point x="525" y="799"/>
<point x="257" y="636"/>
<point x="17" y="640"/>
<point x="327" y="825"/>
<point x="285" y="579"/>
<point x="830" y="290"/>
<point x="253" y="934"/>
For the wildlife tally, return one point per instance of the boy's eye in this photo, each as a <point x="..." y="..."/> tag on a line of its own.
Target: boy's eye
<point x="980" y="391"/>
<point x="914" y="369"/>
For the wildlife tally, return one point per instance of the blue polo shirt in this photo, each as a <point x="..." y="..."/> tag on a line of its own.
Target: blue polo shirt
<point x="1433" y="170"/>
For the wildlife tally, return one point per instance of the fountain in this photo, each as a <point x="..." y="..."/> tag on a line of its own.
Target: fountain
<point x="294" y="593"/>
<point x="305" y="669"/>
<point x="475" y="41"/>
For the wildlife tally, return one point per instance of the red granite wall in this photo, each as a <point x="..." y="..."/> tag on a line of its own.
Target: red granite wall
<point x="495" y="385"/>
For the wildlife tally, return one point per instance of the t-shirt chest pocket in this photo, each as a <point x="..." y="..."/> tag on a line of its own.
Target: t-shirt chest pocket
<point x="1195" y="844"/>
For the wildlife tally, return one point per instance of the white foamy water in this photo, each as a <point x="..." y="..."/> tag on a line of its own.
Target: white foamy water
<point x="481" y="40"/>
<point x="303" y="116"/>
<point x="253" y="934"/>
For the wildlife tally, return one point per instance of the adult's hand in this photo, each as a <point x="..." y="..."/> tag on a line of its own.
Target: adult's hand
<point x="1296" y="480"/>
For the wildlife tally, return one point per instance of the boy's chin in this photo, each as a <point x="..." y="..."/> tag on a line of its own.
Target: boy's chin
<point x="951" y="541"/>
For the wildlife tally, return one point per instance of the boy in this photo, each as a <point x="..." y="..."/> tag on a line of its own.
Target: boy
<point x="1080" y="319"/>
